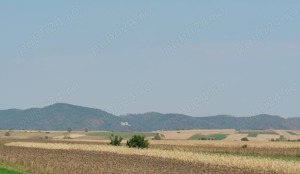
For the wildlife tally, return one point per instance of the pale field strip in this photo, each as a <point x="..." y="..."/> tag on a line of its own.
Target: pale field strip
<point x="28" y="135"/>
<point x="79" y="140"/>
<point x="264" y="137"/>
<point x="70" y="135"/>
<point x="293" y="137"/>
<point x="235" y="137"/>
<point x="257" y="139"/>
<point x="297" y="131"/>
<point x="35" y="131"/>
<point x="228" y="144"/>
<point x="282" y="132"/>
<point x="178" y="136"/>
<point x="257" y="131"/>
<point x="268" y="136"/>
<point x="289" y="167"/>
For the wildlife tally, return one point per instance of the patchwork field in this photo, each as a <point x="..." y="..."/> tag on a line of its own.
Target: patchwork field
<point x="181" y="151"/>
<point x="100" y="158"/>
<point x="91" y="135"/>
<point x="289" y="134"/>
<point x="222" y="134"/>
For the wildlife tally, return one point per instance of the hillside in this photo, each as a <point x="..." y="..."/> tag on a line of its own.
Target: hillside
<point x="61" y="116"/>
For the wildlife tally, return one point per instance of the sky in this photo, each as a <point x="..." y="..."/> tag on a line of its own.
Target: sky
<point x="199" y="58"/>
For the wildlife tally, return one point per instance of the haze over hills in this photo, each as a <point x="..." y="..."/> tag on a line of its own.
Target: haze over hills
<point x="61" y="116"/>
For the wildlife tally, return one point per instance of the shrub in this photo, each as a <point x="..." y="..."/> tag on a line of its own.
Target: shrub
<point x="244" y="146"/>
<point x="244" y="139"/>
<point x="86" y="130"/>
<point x="138" y="141"/>
<point x="7" y="134"/>
<point x="115" y="140"/>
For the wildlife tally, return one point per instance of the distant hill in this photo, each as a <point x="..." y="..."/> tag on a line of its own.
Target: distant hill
<point x="61" y="116"/>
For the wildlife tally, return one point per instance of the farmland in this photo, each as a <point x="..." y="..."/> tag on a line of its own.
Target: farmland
<point x="212" y="134"/>
<point x="85" y="161"/>
<point x="82" y="154"/>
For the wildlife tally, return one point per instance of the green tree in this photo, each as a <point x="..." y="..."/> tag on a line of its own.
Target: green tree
<point x="115" y="140"/>
<point x="244" y="139"/>
<point x="138" y="141"/>
<point x="69" y="130"/>
<point x="86" y="130"/>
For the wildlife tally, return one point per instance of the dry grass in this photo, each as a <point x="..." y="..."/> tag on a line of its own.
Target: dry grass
<point x="229" y="161"/>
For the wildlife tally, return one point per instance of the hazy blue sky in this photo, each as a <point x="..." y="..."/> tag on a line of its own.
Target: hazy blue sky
<point x="199" y="58"/>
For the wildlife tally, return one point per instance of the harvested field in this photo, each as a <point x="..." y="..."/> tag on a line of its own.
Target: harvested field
<point x="227" y="161"/>
<point x="39" y="134"/>
<point x="260" y="148"/>
<point x="228" y="144"/>
<point x="258" y="139"/>
<point x="84" y="155"/>
<point x="297" y="131"/>
<point x="71" y="136"/>
<point x="287" y="135"/>
<point x="268" y="136"/>
<point x="232" y="135"/>
<point x="88" y="162"/>
<point x="235" y="137"/>
<point x="258" y="132"/>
